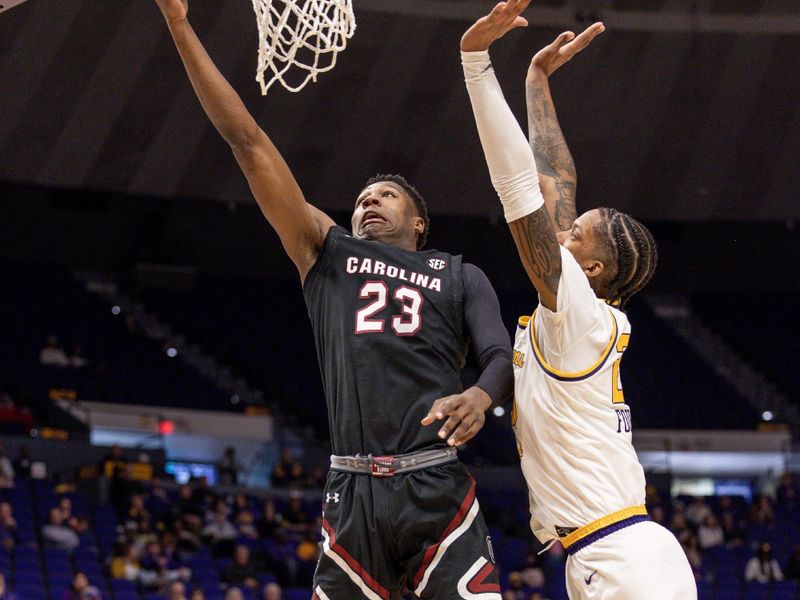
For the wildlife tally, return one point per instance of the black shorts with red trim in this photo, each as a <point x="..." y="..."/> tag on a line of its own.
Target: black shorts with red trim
<point x="422" y="530"/>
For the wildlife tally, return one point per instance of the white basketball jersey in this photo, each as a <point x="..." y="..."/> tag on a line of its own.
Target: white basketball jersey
<point x="572" y="425"/>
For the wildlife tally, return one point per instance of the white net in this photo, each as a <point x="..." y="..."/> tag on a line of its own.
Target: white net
<point x="306" y="34"/>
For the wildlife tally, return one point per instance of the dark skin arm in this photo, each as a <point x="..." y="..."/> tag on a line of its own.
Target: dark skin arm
<point x="557" y="174"/>
<point x="301" y="227"/>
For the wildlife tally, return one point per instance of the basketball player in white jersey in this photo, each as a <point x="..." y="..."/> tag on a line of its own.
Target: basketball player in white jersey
<point x="572" y="424"/>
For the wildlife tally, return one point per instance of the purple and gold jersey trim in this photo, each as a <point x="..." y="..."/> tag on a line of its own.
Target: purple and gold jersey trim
<point x="588" y="534"/>
<point x="563" y="375"/>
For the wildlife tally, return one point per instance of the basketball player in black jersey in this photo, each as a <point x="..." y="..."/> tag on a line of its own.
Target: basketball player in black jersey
<point x="393" y="325"/>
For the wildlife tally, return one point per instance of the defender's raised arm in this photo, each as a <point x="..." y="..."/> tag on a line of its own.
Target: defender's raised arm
<point x="510" y="160"/>
<point x="557" y="175"/>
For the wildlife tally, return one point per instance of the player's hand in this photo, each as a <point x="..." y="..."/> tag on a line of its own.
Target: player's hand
<point x="464" y="413"/>
<point x="174" y="11"/>
<point x="551" y="57"/>
<point x="504" y="17"/>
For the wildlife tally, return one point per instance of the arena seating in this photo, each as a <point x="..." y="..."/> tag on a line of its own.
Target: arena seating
<point x="39" y="301"/>
<point x="38" y="572"/>
<point x="747" y="323"/>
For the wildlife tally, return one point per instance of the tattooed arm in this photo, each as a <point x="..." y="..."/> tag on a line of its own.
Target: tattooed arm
<point x="557" y="175"/>
<point x="539" y="252"/>
<point x="511" y="163"/>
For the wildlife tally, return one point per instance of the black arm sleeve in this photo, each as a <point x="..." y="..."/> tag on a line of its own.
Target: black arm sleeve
<point x="490" y="342"/>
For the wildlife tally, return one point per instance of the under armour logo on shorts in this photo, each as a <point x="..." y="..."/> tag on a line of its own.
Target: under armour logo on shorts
<point x="332" y="497"/>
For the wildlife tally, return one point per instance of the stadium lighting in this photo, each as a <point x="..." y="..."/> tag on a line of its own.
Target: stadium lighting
<point x="172" y="352"/>
<point x="767" y="415"/>
<point x="499" y="411"/>
<point x="115" y="310"/>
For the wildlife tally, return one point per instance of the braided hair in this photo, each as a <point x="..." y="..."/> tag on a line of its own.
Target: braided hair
<point x="631" y="255"/>
<point x="419" y="202"/>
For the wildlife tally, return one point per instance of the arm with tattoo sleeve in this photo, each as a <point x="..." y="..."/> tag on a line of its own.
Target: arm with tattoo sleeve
<point x="557" y="175"/>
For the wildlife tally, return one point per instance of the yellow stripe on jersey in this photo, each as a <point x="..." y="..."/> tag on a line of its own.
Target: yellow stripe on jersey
<point x="522" y="322"/>
<point x="566" y="376"/>
<point x="614" y="517"/>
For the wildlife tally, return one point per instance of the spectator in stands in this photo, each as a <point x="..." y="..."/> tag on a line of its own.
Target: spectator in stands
<point x="288" y="470"/>
<point x="219" y="532"/>
<point x="787" y="496"/>
<point x="160" y="570"/>
<point x="23" y="462"/>
<point x="761" y="512"/>
<point x="710" y="533"/>
<point x="694" y="555"/>
<point x="242" y="571"/>
<point x="282" y="554"/>
<point x="197" y="594"/>
<point x="657" y="515"/>
<point x="228" y="467"/>
<point x="187" y="509"/>
<point x="126" y="564"/>
<point x="532" y="573"/>
<point x="177" y="591"/>
<point x="57" y="535"/>
<point x="137" y="511"/>
<point x="245" y="525"/>
<point x="187" y="541"/>
<point x="6" y="594"/>
<point x="120" y="490"/>
<point x="271" y="520"/>
<point x="9" y="537"/>
<point x="115" y="457"/>
<point x="762" y="567"/>
<point x="516" y="587"/>
<point x="78" y="524"/>
<point x="793" y="566"/>
<point x="316" y="477"/>
<point x="679" y="526"/>
<point x="6" y="470"/>
<point x="697" y="511"/>
<point x="81" y="589"/>
<point x="272" y="591"/>
<point x="76" y="358"/>
<point x="733" y="532"/>
<point x="295" y="517"/>
<point x="53" y="355"/>
<point x="234" y="594"/>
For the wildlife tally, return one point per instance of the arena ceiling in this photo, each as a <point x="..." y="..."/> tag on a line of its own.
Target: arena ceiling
<point x="683" y="109"/>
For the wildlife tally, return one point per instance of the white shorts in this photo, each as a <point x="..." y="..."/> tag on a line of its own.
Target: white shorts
<point x="641" y="562"/>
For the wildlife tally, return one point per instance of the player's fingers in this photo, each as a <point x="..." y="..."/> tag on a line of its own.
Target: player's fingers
<point x="464" y="433"/>
<point x="585" y="38"/>
<point x="440" y="409"/>
<point x="452" y="423"/>
<point x="563" y="38"/>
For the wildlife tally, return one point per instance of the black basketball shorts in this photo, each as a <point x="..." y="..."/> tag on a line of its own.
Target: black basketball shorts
<point x="422" y="530"/>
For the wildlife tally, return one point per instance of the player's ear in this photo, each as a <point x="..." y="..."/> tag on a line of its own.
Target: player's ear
<point x="593" y="268"/>
<point x="419" y="225"/>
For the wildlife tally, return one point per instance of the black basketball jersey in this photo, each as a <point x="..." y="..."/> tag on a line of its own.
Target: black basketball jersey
<point x="390" y="335"/>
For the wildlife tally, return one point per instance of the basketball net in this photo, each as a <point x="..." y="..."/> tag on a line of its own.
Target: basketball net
<point x="306" y="34"/>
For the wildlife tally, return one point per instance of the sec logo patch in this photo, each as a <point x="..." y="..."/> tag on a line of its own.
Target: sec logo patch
<point x="437" y="264"/>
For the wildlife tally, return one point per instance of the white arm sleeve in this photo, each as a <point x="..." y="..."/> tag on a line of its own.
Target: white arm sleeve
<point x="510" y="159"/>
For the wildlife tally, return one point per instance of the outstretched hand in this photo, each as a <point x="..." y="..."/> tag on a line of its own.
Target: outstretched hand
<point x="551" y="57"/>
<point x="174" y="10"/>
<point x="464" y="412"/>
<point x="504" y="17"/>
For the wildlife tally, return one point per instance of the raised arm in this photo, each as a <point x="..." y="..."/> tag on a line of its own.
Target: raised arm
<point x="511" y="163"/>
<point x="301" y="227"/>
<point x="557" y="176"/>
